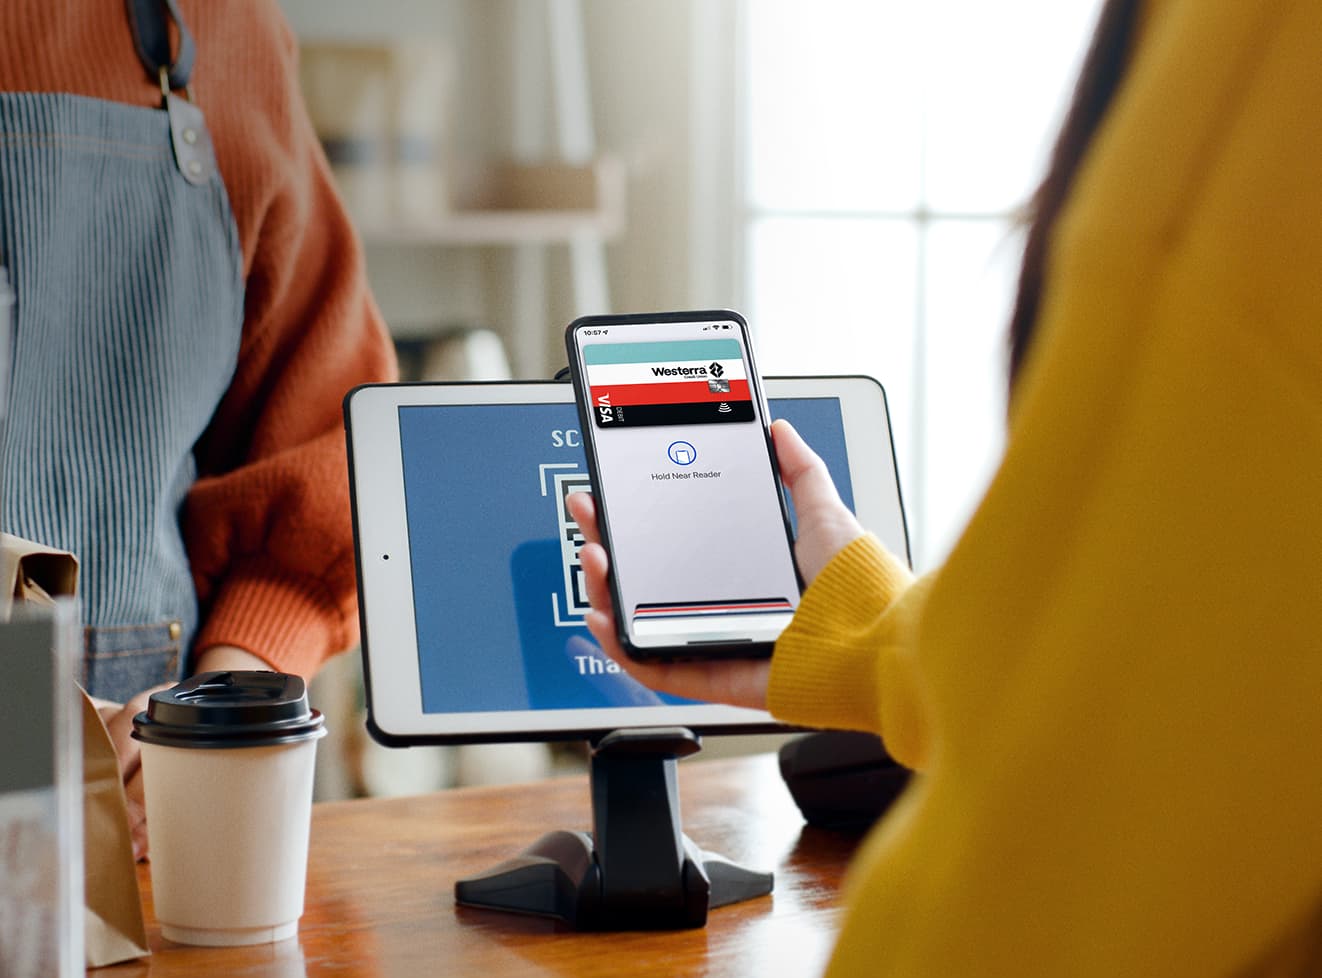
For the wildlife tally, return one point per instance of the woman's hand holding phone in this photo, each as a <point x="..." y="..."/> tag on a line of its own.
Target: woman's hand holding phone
<point x="826" y="526"/>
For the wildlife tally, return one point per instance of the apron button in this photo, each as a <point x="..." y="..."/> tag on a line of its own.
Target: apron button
<point x="190" y="136"/>
<point x="194" y="167"/>
<point x="175" y="629"/>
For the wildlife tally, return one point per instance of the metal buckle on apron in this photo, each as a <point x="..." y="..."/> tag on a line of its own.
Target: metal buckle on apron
<point x="188" y="134"/>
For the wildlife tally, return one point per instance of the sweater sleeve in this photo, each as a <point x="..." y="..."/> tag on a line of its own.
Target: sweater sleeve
<point x="267" y="524"/>
<point x="845" y="661"/>
<point x="1118" y="668"/>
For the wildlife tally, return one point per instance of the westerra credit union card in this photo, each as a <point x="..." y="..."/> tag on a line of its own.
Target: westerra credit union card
<point x="667" y="382"/>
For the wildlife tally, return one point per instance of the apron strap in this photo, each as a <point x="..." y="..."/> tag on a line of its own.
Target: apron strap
<point x="150" y="20"/>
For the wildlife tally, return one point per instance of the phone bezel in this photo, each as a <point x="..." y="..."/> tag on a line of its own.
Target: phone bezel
<point x="671" y="653"/>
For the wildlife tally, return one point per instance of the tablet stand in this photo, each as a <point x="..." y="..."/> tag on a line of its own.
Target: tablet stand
<point x="637" y="870"/>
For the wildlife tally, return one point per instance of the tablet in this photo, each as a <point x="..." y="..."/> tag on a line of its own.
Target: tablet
<point x="470" y="594"/>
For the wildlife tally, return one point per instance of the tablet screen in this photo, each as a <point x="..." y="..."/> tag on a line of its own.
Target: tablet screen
<point x="493" y="553"/>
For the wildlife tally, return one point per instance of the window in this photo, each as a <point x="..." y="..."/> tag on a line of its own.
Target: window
<point x="886" y="147"/>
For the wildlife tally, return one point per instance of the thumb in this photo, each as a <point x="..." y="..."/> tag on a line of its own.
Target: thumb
<point x="826" y="525"/>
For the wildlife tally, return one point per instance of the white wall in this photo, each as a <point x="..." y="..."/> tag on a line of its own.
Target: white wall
<point x="641" y="67"/>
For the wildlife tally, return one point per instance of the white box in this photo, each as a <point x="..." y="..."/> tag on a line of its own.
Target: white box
<point x="41" y="791"/>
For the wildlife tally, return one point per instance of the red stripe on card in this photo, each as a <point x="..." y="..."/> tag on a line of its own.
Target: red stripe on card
<point x="697" y="392"/>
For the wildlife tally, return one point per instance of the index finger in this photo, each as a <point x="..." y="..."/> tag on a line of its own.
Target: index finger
<point x="583" y="508"/>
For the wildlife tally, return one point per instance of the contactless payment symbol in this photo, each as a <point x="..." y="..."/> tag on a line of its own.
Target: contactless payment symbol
<point x="682" y="453"/>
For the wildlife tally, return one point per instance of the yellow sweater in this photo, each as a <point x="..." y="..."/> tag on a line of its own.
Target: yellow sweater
<point x="1114" y="684"/>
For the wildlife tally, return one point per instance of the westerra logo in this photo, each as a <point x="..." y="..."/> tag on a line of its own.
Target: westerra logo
<point x="714" y="370"/>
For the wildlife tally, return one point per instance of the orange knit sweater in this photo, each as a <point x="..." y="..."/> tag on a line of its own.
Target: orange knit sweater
<point x="267" y="524"/>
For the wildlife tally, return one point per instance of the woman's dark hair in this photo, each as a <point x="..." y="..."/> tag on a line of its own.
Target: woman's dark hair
<point x="1099" y="78"/>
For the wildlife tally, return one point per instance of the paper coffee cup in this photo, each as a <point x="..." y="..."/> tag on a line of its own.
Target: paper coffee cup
<point x="227" y="765"/>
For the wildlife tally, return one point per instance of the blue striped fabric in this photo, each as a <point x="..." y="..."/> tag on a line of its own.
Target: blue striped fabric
<point x="129" y="307"/>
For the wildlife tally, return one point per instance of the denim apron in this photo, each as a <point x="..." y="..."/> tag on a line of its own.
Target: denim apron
<point x="127" y="278"/>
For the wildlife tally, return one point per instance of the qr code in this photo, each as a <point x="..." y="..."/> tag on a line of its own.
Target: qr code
<point x="571" y="541"/>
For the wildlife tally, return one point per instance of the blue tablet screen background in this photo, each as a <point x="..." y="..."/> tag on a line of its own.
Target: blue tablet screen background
<point x="497" y="598"/>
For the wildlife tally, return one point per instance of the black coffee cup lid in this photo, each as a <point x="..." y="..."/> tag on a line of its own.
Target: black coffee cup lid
<point x="230" y="709"/>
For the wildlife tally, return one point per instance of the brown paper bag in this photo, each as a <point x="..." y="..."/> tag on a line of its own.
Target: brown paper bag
<point x="31" y="572"/>
<point x="114" y="929"/>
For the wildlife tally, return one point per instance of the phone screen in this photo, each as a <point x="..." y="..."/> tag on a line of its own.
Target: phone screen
<point x="690" y="500"/>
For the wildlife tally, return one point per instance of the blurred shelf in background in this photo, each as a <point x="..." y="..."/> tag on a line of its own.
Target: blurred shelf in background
<point x="515" y="204"/>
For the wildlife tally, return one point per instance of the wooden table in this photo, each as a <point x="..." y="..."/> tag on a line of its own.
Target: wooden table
<point x="381" y="873"/>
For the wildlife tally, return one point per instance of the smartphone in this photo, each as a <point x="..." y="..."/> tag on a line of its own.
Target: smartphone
<point x="689" y="500"/>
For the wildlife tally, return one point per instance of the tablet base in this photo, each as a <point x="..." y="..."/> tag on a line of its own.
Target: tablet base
<point x="636" y="870"/>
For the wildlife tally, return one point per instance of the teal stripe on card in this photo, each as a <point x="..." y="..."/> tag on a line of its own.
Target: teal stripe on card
<point x="667" y="350"/>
